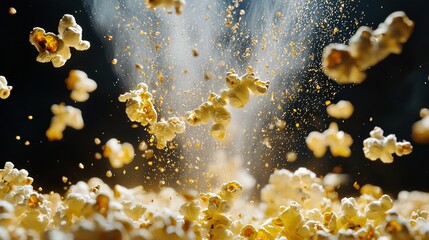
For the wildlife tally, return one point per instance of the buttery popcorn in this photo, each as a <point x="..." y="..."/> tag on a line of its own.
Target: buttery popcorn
<point x="178" y="5"/>
<point x="347" y="63"/>
<point x="420" y="129"/>
<point x="80" y="85"/>
<point x="71" y="33"/>
<point x="4" y="88"/>
<point x="119" y="154"/>
<point x="380" y="147"/>
<point x="165" y="131"/>
<point x="338" y="142"/>
<point x="341" y="110"/>
<point x="63" y="116"/>
<point x="139" y="105"/>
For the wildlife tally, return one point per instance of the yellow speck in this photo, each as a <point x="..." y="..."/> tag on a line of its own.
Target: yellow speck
<point x="64" y="179"/>
<point x="297" y="125"/>
<point x="97" y="141"/>
<point x="327" y="102"/>
<point x="27" y="143"/>
<point x="114" y="61"/>
<point x="109" y="174"/>
<point x="18" y="137"/>
<point x="81" y="166"/>
<point x="12" y="11"/>
<point x="30" y="117"/>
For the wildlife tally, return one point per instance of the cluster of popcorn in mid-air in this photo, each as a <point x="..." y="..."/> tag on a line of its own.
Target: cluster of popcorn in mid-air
<point x="294" y="205"/>
<point x="80" y="85"/>
<point x="119" y="154"/>
<point x="56" y="48"/>
<point x="63" y="116"/>
<point x="337" y="141"/>
<point x="347" y="63"/>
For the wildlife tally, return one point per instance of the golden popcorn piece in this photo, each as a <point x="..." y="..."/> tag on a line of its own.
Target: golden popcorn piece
<point x="166" y="130"/>
<point x="4" y="88"/>
<point x="380" y="147"/>
<point x="341" y="110"/>
<point x="420" y="129"/>
<point x="119" y="154"/>
<point x="80" y="85"/>
<point x="178" y="5"/>
<point x="63" y="116"/>
<point x="338" y="142"/>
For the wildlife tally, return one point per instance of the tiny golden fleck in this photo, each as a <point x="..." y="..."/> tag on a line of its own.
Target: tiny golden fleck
<point x="12" y="11"/>
<point x="97" y="141"/>
<point x="114" y="61"/>
<point x="64" y="179"/>
<point x="297" y="125"/>
<point x="242" y="12"/>
<point x="109" y="174"/>
<point x="356" y="185"/>
<point x="195" y="52"/>
<point x="30" y="117"/>
<point x="18" y="137"/>
<point x="27" y="143"/>
<point x="327" y="102"/>
<point x="98" y="156"/>
<point x="81" y="166"/>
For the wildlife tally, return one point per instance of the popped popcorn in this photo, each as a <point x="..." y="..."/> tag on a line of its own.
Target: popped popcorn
<point x="80" y="85"/>
<point x="165" y="131"/>
<point x="341" y="110"/>
<point x="71" y="33"/>
<point x="420" y="129"/>
<point x="339" y="142"/>
<point x="63" y="116"/>
<point x="347" y="63"/>
<point x="178" y="5"/>
<point x="119" y="154"/>
<point x="380" y="147"/>
<point x="139" y="105"/>
<point x="4" y="88"/>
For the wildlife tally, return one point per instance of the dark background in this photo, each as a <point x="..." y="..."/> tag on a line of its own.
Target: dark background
<point x="392" y="95"/>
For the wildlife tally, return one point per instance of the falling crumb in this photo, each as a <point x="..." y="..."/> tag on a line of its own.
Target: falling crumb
<point x="291" y="156"/>
<point x="356" y="185"/>
<point x="109" y="38"/>
<point x="143" y="146"/>
<point x="27" y="143"/>
<point x="195" y="52"/>
<point x="81" y="166"/>
<point x="12" y="11"/>
<point x="98" y="156"/>
<point x="97" y="141"/>
<point x="109" y="174"/>
<point x="242" y="12"/>
<point x="18" y="137"/>
<point x="30" y="117"/>
<point x="64" y="179"/>
<point x="114" y="61"/>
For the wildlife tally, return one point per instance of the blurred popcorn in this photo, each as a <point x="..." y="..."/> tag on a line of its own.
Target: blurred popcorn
<point x="347" y="63"/>
<point x="139" y="105"/>
<point x="420" y="129"/>
<point x="63" y="116"/>
<point x="165" y="131"/>
<point x="118" y="154"/>
<point x="178" y="5"/>
<point x="4" y="88"/>
<point x="339" y="142"/>
<point x="56" y="48"/>
<point x="379" y="147"/>
<point x="341" y="110"/>
<point x="80" y="85"/>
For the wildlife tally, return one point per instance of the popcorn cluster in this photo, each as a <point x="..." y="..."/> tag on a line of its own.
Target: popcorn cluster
<point x="420" y="129"/>
<point x="341" y="110"/>
<point x="139" y="105"/>
<point x="56" y="48"/>
<point x="380" y="147"/>
<point x="347" y="63"/>
<point x="237" y="95"/>
<point x="119" y="154"/>
<point x="4" y="88"/>
<point x="80" y="85"/>
<point x="338" y="142"/>
<point x="165" y="131"/>
<point x="178" y="5"/>
<point x="63" y="116"/>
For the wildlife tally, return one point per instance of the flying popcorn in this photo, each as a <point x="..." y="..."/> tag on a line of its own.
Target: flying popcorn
<point x="347" y="63"/>
<point x="56" y="48"/>
<point x="420" y="129"/>
<point x="139" y="105"/>
<point x="80" y="85"/>
<point x="4" y="88"/>
<point x="339" y="142"/>
<point x="379" y="147"/>
<point x="165" y="131"/>
<point x="63" y="116"/>
<point x="119" y="154"/>
<point x="341" y="110"/>
<point x="178" y="5"/>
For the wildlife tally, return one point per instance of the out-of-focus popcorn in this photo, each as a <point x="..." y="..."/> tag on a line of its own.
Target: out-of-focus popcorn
<point x="347" y="63"/>
<point x="139" y="105"/>
<point x="165" y="131"/>
<point x="63" y="116"/>
<point x="420" y="129"/>
<point x="376" y="210"/>
<point x="339" y="142"/>
<point x="4" y="88"/>
<point x="341" y="110"/>
<point x="380" y="147"/>
<point x="178" y="5"/>
<point x="56" y="48"/>
<point x="80" y="85"/>
<point x="119" y="154"/>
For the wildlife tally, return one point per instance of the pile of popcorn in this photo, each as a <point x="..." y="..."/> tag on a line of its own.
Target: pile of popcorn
<point x="347" y="63"/>
<point x="294" y="205"/>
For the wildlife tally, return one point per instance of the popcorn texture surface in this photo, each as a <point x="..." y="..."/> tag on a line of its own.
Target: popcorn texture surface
<point x="338" y="142"/>
<point x="347" y="63"/>
<point x="4" y="88"/>
<point x="63" y="116"/>
<point x="119" y="154"/>
<point x="139" y="105"/>
<point x="380" y="147"/>
<point x="80" y="85"/>
<point x="341" y="110"/>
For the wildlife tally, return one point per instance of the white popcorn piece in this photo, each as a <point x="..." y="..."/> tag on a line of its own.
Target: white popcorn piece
<point x="420" y="129"/>
<point x="4" y="88"/>
<point x="339" y="142"/>
<point x="380" y="147"/>
<point x="376" y="210"/>
<point x="119" y="154"/>
<point x="139" y="105"/>
<point x="341" y="110"/>
<point x="80" y="85"/>
<point x="178" y="5"/>
<point x="63" y="116"/>
<point x="349" y="216"/>
<point x="71" y="33"/>
<point x="347" y="63"/>
<point x="165" y="131"/>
